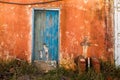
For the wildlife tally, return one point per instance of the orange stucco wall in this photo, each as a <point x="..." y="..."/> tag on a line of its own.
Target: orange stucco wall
<point x="79" y="19"/>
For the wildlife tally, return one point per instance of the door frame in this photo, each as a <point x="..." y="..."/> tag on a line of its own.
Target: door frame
<point x="116" y="9"/>
<point x="33" y="30"/>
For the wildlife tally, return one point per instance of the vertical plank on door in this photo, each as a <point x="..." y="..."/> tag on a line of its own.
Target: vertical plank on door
<point x="51" y="33"/>
<point x="38" y="35"/>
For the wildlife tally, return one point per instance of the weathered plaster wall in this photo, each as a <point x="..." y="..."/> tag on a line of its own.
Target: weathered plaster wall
<point x="91" y="19"/>
<point x="14" y="31"/>
<point x="79" y="20"/>
<point x="16" y="28"/>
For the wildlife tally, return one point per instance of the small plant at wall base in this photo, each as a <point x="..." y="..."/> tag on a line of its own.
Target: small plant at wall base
<point x="15" y="68"/>
<point x="110" y="70"/>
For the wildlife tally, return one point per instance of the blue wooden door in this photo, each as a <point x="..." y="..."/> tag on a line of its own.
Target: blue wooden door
<point x="46" y="35"/>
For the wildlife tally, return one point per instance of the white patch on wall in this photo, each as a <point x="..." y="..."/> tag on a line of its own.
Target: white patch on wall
<point x="81" y="27"/>
<point x="17" y="35"/>
<point x="28" y="10"/>
<point x="4" y="25"/>
<point x="80" y="7"/>
<point x="2" y="43"/>
<point x="12" y="8"/>
<point x="29" y="6"/>
<point x="85" y="1"/>
<point x="76" y="16"/>
<point x="86" y="21"/>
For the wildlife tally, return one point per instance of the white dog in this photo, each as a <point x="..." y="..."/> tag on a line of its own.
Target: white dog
<point x="46" y="51"/>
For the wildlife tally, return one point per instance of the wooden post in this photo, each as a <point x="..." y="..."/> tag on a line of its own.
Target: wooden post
<point x="96" y="65"/>
<point x="81" y="65"/>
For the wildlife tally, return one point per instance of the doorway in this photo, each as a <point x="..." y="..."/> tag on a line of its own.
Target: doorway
<point x="46" y="35"/>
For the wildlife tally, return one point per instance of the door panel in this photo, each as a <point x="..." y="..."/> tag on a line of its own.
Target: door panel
<point x="51" y="32"/>
<point x="46" y="33"/>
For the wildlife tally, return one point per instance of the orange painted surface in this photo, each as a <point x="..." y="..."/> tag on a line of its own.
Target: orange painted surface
<point x="78" y="20"/>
